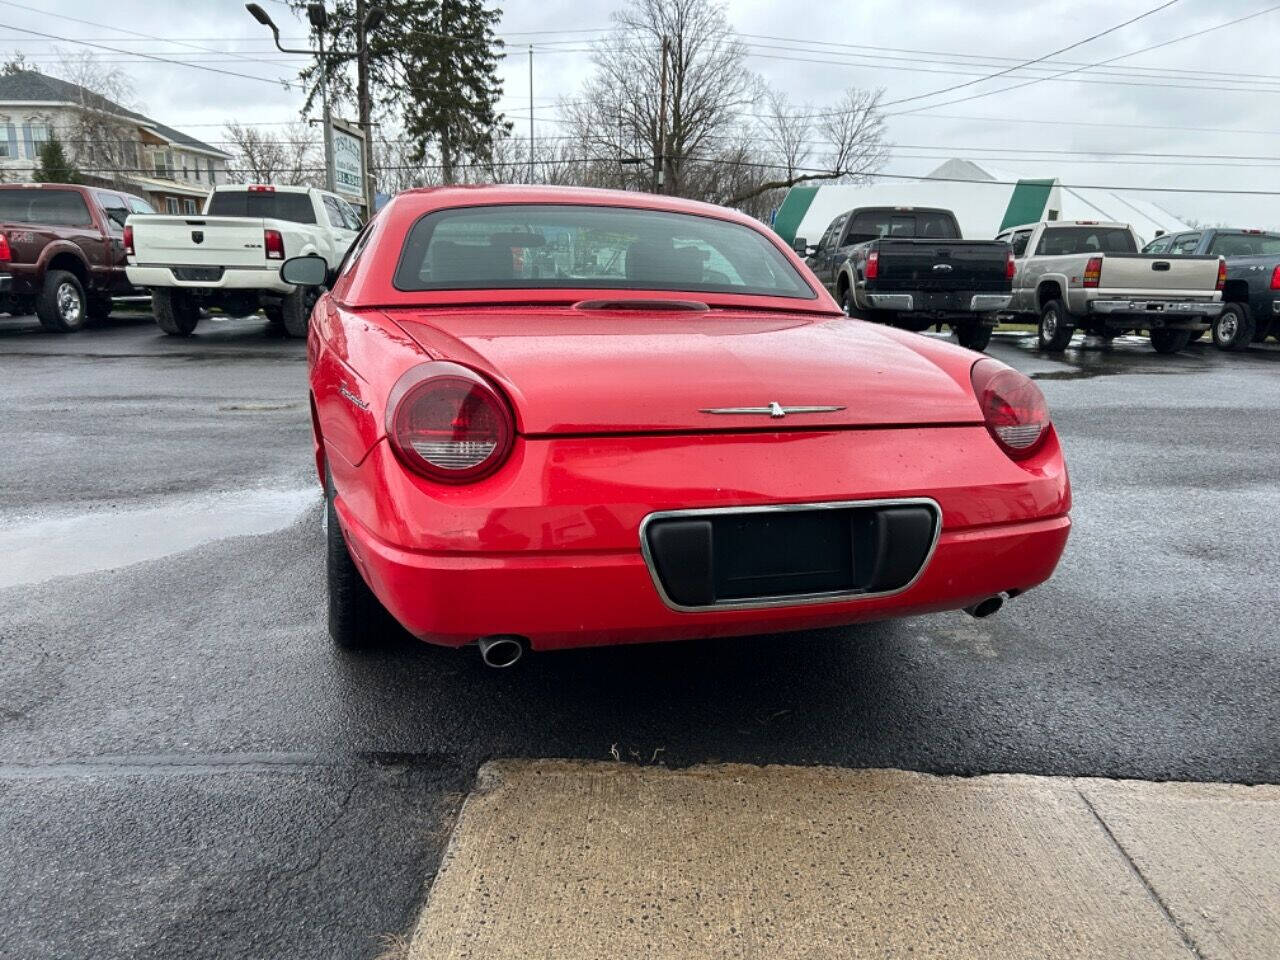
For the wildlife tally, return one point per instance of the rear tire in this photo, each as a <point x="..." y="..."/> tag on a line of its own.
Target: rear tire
<point x="974" y="336"/>
<point x="176" y="311"/>
<point x="1056" y="327"/>
<point x="295" y="309"/>
<point x="1234" y="328"/>
<point x="62" y="305"/>
<point x="1170" y="341"/>
<point x="356" y="619"/>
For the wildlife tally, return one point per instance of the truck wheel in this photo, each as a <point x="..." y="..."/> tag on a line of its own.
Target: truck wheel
<point x="62" y="304"/>
<point x="356" y="618"/>
<point x="176" y="311"/>
<point x="1233" y="329"/>
<point x="1170" y="341"/>
<point x="295" y="309"/>
<point x="845" y="299"/>
<point x="974" y="336"/>
<point x="1056" y="328"/>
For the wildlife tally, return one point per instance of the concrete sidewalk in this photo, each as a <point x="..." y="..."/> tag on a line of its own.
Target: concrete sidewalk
<point x="573" y="860"/>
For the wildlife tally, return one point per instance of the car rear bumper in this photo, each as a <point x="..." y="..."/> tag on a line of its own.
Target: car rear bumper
<point x="265" y="279"/>
<point x="550" y="547"/>
<point x="907" y="303"/>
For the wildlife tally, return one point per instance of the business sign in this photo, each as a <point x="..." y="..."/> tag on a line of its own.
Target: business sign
<point x="348" y="160"/>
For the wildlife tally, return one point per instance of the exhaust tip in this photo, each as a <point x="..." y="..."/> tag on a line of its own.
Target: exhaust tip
<point x="987" y="607"/>
<point x="501" y="652"/>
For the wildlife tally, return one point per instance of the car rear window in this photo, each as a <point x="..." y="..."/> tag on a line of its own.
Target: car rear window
<point x="1063" y="241"/>
<point x="541" y="246"/>
<point x="58" y="208"/>
<point x="873" y="224"/>
<point x="1245" y="245"/>
<point x="263" y="204"/>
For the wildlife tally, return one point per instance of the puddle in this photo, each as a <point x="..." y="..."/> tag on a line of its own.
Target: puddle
<point x="105" y="539"/>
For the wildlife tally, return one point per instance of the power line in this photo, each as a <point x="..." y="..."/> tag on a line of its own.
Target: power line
<point x="1028" y="63"/>
<point x="181" y="63"/>
<point x="1100" y="63"/>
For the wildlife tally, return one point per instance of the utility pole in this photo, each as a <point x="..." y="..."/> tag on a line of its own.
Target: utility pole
<point x="326" y="114"/>
<point x="365" y="106"/>
<point x="660" y="161"/>
<point x="531" y="113"/>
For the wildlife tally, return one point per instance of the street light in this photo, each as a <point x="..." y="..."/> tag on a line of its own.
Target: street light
<point x="318" y="17"/>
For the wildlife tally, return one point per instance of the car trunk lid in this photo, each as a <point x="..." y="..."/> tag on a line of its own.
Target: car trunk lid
<point x="574" y="371"/>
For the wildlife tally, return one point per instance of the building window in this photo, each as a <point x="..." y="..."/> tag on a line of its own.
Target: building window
<point x="212" y="174"/>
<point x="190" y="206"/>
<point x="197" y="169"/>
<point x="186" y="171"/>
<point x="170" y="205"/>
<point x="40" y="134"/>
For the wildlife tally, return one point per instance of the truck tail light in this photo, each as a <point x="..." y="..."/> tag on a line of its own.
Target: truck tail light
<point x="1010" y="266"/>
<point x="128" y="241"/>
<point x="1222" y="273"/>
<point x="1013" y="407"/>
<point x="873" y="265"/>
<point x="273" y="243"/>
<point x="1093" y="272"/>
<point x="6" y="254"/>
<point x="262" y="188"/>
<point x="1275" y="278"/>
<point x="448" y="423"/>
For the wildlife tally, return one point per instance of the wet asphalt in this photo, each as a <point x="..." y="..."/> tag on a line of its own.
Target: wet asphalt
<point x="187" y="769"/>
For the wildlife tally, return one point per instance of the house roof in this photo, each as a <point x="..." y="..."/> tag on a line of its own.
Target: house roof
<point x="31" y="86"/>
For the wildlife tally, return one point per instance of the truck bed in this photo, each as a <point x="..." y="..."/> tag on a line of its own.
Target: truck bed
<point x="198" y="241"/>
<point x="942" y="265"/>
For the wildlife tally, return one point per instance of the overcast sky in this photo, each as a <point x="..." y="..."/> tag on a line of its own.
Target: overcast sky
<point x="1145" y="104"/>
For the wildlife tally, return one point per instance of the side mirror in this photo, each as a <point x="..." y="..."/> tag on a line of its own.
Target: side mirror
<point x="800" y="245"/>
<point x="308" y="271"/>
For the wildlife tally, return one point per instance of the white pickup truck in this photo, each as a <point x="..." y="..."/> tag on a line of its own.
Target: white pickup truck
<point x="229" y="256"/>
<point x="1087" y="275"/>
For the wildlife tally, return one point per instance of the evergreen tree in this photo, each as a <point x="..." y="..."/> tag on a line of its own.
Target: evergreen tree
<point x="433" y="65"/>
<point x="54" y="166"/>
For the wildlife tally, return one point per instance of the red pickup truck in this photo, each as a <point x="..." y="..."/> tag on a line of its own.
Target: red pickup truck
<point x="62" y="251"/>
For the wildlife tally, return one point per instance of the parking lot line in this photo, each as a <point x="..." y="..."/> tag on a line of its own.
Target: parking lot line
<point x="563" y="859"/>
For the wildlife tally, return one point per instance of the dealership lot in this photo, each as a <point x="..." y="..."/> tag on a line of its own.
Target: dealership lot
<point x="188" y="769"/>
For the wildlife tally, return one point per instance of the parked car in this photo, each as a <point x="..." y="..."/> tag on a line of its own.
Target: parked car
<point x="229" y="256"/>
<point x="681" y="437"/>
<point x="62" y="251"/>
<point x="1251" y="295"/>
<point x="908" y="267"/>
<point x="1088" y="275"/>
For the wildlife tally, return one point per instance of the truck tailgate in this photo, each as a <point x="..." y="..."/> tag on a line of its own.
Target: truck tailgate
<point x="197" y="241"/>
<point x="978" y="265"/>
<point x="1151" y="274"/>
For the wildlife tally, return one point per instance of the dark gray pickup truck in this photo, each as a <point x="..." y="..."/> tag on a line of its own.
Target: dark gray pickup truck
<point x="1251" y="293"/>
<point x="909" y="268"/>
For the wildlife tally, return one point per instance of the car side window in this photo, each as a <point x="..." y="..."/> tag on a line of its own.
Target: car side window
<point x="1019" y="243"/>
<point x="334" y="213"/>
<point x="1185" y="244"/>
<point x="356" y="248"/>
<point x="833" y="233"/>
<point x="1158" y="245"/>
<point x="117" y="212"/>
<point x="349" y="214"/>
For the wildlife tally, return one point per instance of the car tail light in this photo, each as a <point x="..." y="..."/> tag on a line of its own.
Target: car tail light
<point x="5" y="253"/>
<point x="448" y="423"/>
<point x="1222" y="273"/>
<point x="1275" y="278"/>
<point x="273" y="243"/>
<point x="1012" y="407"/>
<point x="1010" y="266"/>
<point x="128" y="241"/>
<point x="1093" y="272"/>
<point x="873" y="265"/>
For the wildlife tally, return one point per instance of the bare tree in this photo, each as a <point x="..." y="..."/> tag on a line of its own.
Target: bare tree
<point x="850" y="135"/>
<point x="620" y="112"/>
<point x="291" y="158"/>
<point x="102" y="138"/>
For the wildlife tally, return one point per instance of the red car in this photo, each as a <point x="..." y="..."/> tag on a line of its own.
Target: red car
<point x="553" y="418"/>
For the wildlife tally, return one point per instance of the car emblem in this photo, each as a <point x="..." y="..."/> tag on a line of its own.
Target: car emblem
<point x="944" y="267"/>
<point x="774" y="409"/>
<point x="197" y="236"/>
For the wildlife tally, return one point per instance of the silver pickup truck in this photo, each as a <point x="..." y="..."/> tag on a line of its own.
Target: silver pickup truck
<point x="1086" y="275"/>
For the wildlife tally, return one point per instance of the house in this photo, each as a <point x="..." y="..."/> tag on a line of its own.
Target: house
<point x="109" y="144"/>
